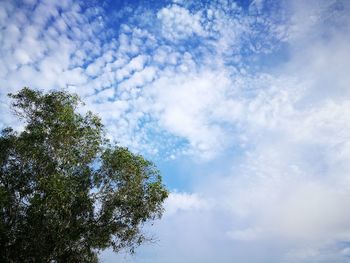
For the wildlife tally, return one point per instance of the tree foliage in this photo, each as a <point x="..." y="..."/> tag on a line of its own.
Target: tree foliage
<point x="66" y="193"/>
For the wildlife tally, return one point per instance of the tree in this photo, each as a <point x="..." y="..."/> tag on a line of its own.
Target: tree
<point x="66" y="193"/>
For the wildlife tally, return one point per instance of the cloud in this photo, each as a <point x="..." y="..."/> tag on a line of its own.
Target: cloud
<point x="185" y="202"/>
<point x="183" y="104"/>
<point x="286" y="197"/>
<point x="178" y="23"/>
<point x="68" y="49"/>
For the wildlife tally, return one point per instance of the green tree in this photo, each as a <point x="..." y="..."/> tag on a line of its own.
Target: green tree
<point x="66" y="193"/>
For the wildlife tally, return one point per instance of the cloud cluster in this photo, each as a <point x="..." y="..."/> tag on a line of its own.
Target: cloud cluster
<point x="178" y="23"/>
<point x="128" y="76"/>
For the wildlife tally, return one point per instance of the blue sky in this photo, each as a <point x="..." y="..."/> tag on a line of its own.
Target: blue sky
<point x="244" y="106"/>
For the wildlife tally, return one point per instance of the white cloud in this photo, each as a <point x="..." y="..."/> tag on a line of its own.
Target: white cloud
<point x="288" y="192"/>
<point x="184" y="105"/>
<point x="136" y="64"/>
<point x="22" y="57"/>
<point x="62" y="54"/>
<point x="247" y="234"/>
<point x="178" y="23"/>
<point x="178" y="202"/>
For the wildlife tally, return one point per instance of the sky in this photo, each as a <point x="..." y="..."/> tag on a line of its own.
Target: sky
<point x="243" y="105"/>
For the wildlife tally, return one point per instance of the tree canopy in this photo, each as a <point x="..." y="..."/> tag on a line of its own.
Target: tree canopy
<point x="66" y="192"/>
